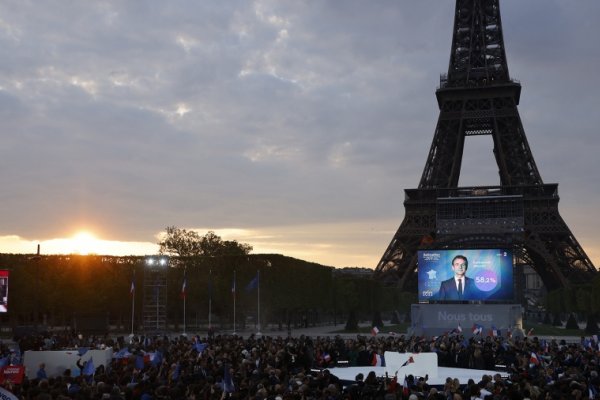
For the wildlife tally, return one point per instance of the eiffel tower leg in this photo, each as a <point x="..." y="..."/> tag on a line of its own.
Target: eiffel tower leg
<point x="399" y="262"/>
<point x="557" y="256"/>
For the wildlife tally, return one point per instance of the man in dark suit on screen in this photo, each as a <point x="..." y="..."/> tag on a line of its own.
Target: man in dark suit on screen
<point x="459" y="287"/>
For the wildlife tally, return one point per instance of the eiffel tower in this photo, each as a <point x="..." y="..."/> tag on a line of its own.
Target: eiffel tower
<point x="478" y="97"/>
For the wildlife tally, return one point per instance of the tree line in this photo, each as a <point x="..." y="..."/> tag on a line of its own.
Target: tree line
<point x="65" y="290"/>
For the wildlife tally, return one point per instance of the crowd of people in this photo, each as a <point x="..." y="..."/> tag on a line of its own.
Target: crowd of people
<point x="299" y="368"/>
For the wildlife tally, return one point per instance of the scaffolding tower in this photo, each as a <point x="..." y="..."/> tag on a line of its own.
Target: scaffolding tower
<point x="155" y="294"/>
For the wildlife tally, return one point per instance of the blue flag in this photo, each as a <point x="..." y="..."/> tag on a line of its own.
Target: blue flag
<point x="82" y="350"/>
<point x="156" y="358"/>
<point x="253" y="283"/>
<point x="123" y="353"/>
<point x="200" y="347"/>
<point x="139" y="362"/>
<point x="177" y="372"/>
<point x="88" y="368"/>
<point x="228" y="385"/>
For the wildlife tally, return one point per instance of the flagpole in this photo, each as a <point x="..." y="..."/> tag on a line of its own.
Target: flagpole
<point x="234" y="302"/>
<point x="258" y="300"/>
<point x="132" y="310"/>
<point x="209" y="298"/>
<point x="132" y="300"/>
<point x="184" y="296"/>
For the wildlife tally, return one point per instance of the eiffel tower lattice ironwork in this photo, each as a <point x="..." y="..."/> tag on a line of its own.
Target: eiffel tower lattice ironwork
<point x="478" y="97"/>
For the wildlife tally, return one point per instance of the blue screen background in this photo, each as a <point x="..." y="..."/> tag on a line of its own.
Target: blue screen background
<point x="492" y="270"/>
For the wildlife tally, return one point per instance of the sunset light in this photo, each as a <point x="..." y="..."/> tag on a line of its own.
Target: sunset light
<point x="85" y="243"/>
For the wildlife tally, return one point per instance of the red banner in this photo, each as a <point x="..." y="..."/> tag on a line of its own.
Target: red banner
<point x="12" y="373"/>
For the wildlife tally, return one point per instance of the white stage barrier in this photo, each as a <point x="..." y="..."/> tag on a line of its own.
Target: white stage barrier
<point x="58" y="361"/>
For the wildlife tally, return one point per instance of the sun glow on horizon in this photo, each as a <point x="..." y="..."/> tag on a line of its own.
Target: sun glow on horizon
<point x="85" y="243"/>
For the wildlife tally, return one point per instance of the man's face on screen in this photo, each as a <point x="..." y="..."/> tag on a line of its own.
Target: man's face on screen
<point x="459" y="266"/>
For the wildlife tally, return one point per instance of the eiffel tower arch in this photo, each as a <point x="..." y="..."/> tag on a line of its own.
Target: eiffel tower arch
<point x="478" y="97"/>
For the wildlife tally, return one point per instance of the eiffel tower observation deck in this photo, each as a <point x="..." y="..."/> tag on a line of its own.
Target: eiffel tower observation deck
<point x="478" y="97"/>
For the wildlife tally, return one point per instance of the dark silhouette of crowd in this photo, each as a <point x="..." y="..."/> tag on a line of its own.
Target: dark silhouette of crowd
<point x="220" y="367"/>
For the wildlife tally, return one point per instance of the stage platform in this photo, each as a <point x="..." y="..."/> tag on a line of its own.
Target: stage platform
<point x="416" y="364"/>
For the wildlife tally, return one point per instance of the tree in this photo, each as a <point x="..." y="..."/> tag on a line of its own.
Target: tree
<point x="181" y="242"/>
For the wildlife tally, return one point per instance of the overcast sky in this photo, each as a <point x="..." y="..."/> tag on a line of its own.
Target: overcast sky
<point x="290" y="125"/>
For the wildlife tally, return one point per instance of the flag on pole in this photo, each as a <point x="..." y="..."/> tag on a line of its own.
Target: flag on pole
<point x="477" y="329"/>
<point x="495" y="331"/>
<point x="409" y="361"/>
<point x="456" y="331"/>
<point x="132" y="288"/>
<point x="253" y="284"/>
<point x="374" y="331"/>
<point x="184" y="286"/>
<point x="233" y="285"/>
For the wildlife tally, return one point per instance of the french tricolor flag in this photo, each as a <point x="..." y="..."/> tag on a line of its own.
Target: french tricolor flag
<point x="377" y="360"/>
<point x="409" y="361"/>
<point x="534" y="359"/>
<point x="476" y="329"/>
<point x="374" y="331"/>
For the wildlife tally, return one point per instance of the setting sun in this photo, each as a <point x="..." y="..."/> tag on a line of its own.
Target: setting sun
<point x="84" y="243"/>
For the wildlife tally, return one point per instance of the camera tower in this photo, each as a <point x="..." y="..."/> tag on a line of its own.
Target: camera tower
<point x="478" y="97"/>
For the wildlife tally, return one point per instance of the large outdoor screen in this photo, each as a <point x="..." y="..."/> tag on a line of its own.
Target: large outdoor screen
<point x="3" y="291"/>
<point x="487" y="275"/>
